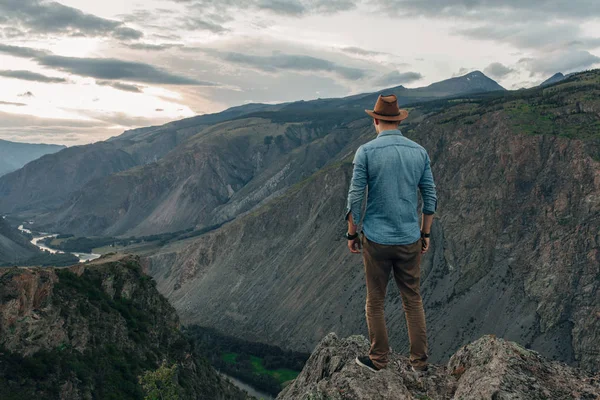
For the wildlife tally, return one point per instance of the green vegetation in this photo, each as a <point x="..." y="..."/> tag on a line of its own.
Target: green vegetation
<point x="569" y="109"/>
<point x="263" y="366"/>
<point x="125" y="341"/>
<point x="281" y="374"/>
<point x="160" y="384"/>
<point x="230" y="358"/>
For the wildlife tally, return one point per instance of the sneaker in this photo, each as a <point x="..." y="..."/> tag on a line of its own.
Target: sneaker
<point x="424" y="368"/>
<point x="367" y="363"/>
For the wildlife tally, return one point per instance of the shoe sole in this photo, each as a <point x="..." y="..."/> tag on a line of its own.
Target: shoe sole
<point x="419" y="371"/>
<point x="364" y="365"/>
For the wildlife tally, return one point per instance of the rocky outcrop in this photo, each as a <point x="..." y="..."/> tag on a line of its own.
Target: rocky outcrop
<point x="89" y="331"/>
<point x="489" y="368"/>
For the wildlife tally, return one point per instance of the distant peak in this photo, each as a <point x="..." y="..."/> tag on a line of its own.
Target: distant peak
<point x="557" y="77"/>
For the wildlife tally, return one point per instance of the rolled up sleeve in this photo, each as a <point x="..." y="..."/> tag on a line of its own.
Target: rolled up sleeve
<point x="427" y="188"/>
<point x="356" y="193"/>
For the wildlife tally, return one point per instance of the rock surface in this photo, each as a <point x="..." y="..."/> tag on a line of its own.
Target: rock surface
<point x="489" y="368"/>
<point x="89" y="331"/>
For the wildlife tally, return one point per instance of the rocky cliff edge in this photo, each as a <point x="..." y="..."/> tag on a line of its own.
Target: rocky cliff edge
<point x="489" y="368"/>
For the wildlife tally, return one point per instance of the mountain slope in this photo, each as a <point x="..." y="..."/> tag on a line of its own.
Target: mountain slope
<point x="45" y="184"/>
<point x="14" y="155"/>
<point x="553" y="79"/>
<point x="89" y="331"/>
<point x="13" y="246"/>
<point x="515" y="247"/>
<point x="214" y="176"/>
<point x="228" y="168"/>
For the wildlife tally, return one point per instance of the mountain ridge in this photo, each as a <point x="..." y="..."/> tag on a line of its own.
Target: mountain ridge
<point x="145" y="146"/>
<point x="14" y="155"/>
<point x="90" y="330"/>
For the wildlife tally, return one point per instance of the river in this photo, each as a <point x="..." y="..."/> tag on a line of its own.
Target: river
<point x="91" y="256"/>
<point x="37" y="239"/>
<point x="251" y="391"/>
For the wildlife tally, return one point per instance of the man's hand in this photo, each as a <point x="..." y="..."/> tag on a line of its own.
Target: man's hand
<point x="354" y="245"/>
<point x="424" y="245"/>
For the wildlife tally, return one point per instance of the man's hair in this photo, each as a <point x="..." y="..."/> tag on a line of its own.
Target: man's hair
<point x="394" y="123"/>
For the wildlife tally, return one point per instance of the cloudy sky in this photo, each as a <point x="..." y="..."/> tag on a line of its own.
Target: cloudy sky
<point x="79" y="71"/>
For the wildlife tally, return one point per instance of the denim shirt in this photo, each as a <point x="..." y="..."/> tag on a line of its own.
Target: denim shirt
<point x="392" y="167"/>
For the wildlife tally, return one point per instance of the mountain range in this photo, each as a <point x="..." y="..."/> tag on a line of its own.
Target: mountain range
<point x="256" y="150"/>
<point x="515" y="246"/>
<point x="14" y="155"/>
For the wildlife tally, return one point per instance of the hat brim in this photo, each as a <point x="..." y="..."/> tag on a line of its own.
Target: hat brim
<point x="402" y="116"/>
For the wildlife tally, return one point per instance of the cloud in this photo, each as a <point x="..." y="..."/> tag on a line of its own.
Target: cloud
<point x="497" y="70"/>
<point x="291" y="62"/>
<point x="289" y="8"/>
<point x="31" y="129"/>
<point x="526" y="35"/>
<point x="26" y="94"/>
<point x="10" y="103"/>
<point x="493" y="9"/>
<point x="25" y="52"/>
<point x="153" y="47"/>
<point x="560" y="61"/>
<point x="396" y="78"/>
<point x="532" y="24"/>
<point x="47" y="17"/>
<point x="104" y="68"/>
<point x="31" y="76"/>
<point x="110" y="68"/>
<point x="197" y="23"/>
<point x="10" y="32"/>
<point x="361" y="52"/>
<point x="462" y="71"/>
<point x="123" y="119"/>
<point x="282" y="7"/>
<point x="121" y="86"/>
<point x="125" y="33"/>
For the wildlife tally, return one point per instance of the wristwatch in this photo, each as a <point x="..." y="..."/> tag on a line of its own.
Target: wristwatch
<point x="351" y="237"/>
<point x="425" y="235"/>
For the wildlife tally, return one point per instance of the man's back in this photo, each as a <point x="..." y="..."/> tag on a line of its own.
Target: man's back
<point x="392" y="167"/>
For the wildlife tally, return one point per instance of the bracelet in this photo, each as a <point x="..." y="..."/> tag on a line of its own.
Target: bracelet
<point x="351" y="237"/>
<point x="425" y="235"/>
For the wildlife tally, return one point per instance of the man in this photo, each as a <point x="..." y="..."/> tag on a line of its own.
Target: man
<point x="392" y="167"/>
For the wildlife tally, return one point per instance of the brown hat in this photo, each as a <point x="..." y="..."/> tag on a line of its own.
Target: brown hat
<point x="386" y="109"/>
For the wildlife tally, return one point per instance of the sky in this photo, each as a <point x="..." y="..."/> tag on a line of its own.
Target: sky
<point x="80" y="71"/>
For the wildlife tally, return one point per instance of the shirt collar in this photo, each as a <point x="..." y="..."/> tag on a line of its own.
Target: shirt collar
<point x="390" y="132"/>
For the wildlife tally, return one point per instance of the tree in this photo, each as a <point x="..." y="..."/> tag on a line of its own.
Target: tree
<point x="160" y="384"/>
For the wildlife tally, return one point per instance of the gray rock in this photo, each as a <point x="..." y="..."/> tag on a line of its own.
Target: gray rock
<point x="489" y="368"/>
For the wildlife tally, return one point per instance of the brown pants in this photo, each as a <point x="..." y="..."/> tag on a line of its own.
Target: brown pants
<point x="405" y="262"/>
